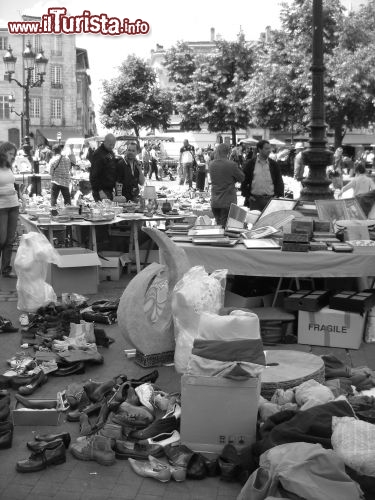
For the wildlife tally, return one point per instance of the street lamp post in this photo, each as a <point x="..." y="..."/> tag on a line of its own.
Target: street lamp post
<point x="12" y="100"/>
<point x="317" y="156"/>
<point x="31" y="62"/>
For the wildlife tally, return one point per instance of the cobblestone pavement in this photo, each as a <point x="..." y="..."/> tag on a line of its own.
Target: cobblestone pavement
<point x="79" y="480"/>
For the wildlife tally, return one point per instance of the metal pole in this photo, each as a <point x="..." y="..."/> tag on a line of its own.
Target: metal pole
<point x="317" y="156"/>
<point x="22" y="127"/>
<point x="27" y="103"/>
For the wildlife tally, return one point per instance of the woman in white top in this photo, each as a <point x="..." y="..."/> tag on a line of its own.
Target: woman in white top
<point x="361" y="183"/>
<point x="9" y="205"/>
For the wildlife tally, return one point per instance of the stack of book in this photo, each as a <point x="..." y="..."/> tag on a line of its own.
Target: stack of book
<point x="179" y="231"/>
<point x="210" y="235"/>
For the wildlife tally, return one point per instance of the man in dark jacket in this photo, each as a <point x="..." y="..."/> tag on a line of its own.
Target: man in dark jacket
<point x="103" y="169"/>
<point x="263" y="179"/>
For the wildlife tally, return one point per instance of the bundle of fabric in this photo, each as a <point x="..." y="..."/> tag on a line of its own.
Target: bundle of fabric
<point x="300" y="470"/>
<point x="228" y="346"/>
<point x="362" y="378"/>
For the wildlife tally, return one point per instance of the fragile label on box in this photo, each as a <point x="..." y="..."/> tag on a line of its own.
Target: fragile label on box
<point x="331" y="328"/>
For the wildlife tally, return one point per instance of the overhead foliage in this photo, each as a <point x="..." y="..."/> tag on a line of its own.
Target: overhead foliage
<point x="133" y="99"/>
<point x="209" y="87"/>
<point x="279" y="94"/>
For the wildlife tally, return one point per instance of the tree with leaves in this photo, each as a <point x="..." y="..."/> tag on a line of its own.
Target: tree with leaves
<point x="133" y="99"/>
<point x="209" y="88"/>
<point x="279" y="95"/>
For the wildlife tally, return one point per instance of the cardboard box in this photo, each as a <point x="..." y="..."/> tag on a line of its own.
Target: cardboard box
<point x="359" y="302"/>
<point x="217" y="411"/>
<point x="312" y="300"/>
<point x="25" y="416"/>
<point x="235" y="300"/>
<point x="78" y="271"/>
<point x="112" y="265"/>
<point x="331" y="328"/>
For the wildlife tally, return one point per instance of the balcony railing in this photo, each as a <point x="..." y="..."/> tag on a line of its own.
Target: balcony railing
<point x="56" y="85"/>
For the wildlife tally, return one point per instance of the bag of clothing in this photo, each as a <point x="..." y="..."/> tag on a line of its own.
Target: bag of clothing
<point x="33" y="256"/>
<point x="354" y="441"/>
<point x="195" y="293"/>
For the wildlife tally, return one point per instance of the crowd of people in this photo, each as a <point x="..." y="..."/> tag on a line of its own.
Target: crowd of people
<point x="124" y="171"/>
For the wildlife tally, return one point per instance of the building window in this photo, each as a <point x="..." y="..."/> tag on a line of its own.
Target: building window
<point x="4" y="43"/>
<point x="4" y="107"/>
<point x="79" y="116"/>
<point x="79" y="88"/>
<point x="34" y="107"/>
<point x="56" y="76"/>
<point x="56" y="108"/>
<point x="36" y="43"/>
<point x="56" y="46"/>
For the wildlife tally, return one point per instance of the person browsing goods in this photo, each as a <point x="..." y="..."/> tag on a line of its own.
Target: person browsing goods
<point x="361" y="183"/>
<point x="187" y="159"/>
<point x="9" y="206"/>
<point x="263" y="179"/>
<point x="224" y="174"/>
<point x="103" y="169"/>
<point x="129" y="173"/>
<point x="59" y="168"/>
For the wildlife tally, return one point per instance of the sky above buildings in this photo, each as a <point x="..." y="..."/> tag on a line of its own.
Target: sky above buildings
<point x="169" y="21"/>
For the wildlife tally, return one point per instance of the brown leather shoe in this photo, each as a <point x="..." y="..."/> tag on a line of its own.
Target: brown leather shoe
<point x="97" y="448"/>
<point x="51" y="454"/>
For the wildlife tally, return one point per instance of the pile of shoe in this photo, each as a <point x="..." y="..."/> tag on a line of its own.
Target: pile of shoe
<point x="134" y="420"/>
<point x="6" y="326"/>
<point x="24" y="375"/>
<point x="101" y="311"/>
<point x="49" y="323"/>
<point x="47" y="449"/>
<point x="6" y="427"/>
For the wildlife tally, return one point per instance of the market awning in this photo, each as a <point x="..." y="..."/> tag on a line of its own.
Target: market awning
<point x="249" y="140"/>
<point x="358" y="139"/>
<point x="50" y="134"/>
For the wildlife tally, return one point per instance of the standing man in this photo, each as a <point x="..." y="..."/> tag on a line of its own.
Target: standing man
<point x="263" y="179"/>
<point x="60" y="176"/>
<point x="153" y="163"/>
<point x="224" y="174"/>
<point x="146" y="159"/>
<point x="299" y="166"/>
<point x="187" y="159"/>
<point x="129" y="173"/>
<point x="103" y="169"/>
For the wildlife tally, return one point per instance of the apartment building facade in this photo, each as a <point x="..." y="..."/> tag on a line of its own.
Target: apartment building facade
<point x="62" y="105"/>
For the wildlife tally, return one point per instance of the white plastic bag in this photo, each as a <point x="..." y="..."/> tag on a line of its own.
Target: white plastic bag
<point x="354" y="441"/>
<point x="195" y="293"/>
<point x="34" y="254"/>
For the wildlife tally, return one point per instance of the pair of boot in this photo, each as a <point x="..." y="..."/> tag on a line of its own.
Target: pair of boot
<point x="4" y="405"/>
<point x="97" y="448"/>
<point x="6" y="434"/>
<point x="46" y="450"/>
<point x="235" y="463"/>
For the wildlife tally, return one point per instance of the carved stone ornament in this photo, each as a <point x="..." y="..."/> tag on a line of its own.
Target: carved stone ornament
<point x="145" y="312"/>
